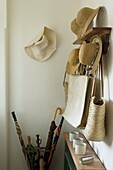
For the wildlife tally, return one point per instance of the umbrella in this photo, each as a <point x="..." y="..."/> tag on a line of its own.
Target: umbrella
<point x="31" y="153"/>
<point x="50" y="135"/>
<point x="19" y="132"/>
<point x="57" y="134"/>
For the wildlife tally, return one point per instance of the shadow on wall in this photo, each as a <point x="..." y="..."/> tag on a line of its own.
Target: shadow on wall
<point x="108" y="69"/>
<point x="102" y="21"/>
<point x="102" y="18"/>
<point x="109" y="104"/>
<point x="109" y="123"/>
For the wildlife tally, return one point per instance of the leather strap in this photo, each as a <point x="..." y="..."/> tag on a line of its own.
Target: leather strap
<point x="99" y="74"/>
<point x="97" y="40"/>
<point x="101" y="77"/>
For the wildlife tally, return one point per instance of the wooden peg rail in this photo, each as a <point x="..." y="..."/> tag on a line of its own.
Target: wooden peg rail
<point x="103" y="32"/>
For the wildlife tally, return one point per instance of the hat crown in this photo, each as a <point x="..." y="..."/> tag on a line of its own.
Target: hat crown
<point x="73" y="61"/>
<point x="84" y="20"/>
<point x="83" y="16"/>
<point x="74" y="56"/>
<point x="42" y="43"/>
<point x="87" y="53"/>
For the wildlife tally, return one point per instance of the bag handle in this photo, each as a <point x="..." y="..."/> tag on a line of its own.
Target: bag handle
<point x="99" y="72"/>
<point x="97" y="40"/>
<point x="101" y="77"/>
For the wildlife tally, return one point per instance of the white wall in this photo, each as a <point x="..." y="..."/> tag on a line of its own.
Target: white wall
<point x="36" y="88"/>
<point x="3" y="87"/>
<point x="105" y="148"/>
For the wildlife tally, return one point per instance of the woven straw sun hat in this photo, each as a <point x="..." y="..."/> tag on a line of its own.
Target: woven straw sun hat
<point x="73" y="61"/>
<point x="83" y="20"/>
<point x="43" y="45"/>
<point x="87" y="53"/>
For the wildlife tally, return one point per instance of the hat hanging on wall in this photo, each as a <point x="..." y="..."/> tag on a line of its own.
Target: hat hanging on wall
<point x="42" y="46"/>
<point x="83" y="20"/>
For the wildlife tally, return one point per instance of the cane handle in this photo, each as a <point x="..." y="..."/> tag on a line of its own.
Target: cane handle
<point x="60" y="112"/>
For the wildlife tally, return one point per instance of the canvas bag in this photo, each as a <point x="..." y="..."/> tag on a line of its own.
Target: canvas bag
<point x="95" y="127"/>
<point x="77" y="87"/>
<point x="87" y="102"/>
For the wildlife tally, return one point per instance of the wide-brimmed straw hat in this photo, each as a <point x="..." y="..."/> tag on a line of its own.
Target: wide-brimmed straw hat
<point x="73" y="61"/>
<point x="43" y="45"/>
<point x="83" y="20"/>
<point x="87" y="53"/>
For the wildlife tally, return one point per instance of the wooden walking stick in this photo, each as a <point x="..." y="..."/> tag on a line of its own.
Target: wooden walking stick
<point x="19" y="132"/>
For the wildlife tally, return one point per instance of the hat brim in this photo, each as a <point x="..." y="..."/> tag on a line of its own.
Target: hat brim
<point x="70" y="69"/>
<point x="76" y="29"/>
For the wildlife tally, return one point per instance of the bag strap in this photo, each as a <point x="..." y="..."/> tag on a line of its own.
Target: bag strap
<point x="64" y="78"/>
<point x="93" y="92"/>
<point x="99" y="74"/>
<point x="101" y="77"/>
<point x="97" y="40"/>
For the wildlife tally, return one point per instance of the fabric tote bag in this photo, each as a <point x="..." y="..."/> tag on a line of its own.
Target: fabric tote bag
<point x="77" y="88"/>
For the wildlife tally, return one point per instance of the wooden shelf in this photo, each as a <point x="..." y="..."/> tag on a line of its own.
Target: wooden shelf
<point x="101" y="31"/>
<point x="96" y="165"/>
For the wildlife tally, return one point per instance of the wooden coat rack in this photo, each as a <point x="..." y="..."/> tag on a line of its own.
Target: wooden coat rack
<point x="103" y="32"/>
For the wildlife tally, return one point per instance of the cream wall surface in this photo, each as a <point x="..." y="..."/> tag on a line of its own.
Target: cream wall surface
<point x="3" y="88"/>
<point x="105" y="148"/>
<point x="36" y="88"/>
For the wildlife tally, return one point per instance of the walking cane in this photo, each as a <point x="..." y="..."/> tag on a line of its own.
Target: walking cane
<point x="19" y="132"/>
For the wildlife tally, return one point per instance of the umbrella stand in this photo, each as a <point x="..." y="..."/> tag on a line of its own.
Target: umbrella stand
<point x="36" y="157"/>
<point x="50" y="134"/>
<point x="19" y="132"/>
<point x="56" y="137"/>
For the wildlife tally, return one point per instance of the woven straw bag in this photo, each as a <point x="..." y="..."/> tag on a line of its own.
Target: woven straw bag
<point x="95" y="127"/>
<point x="95" y="130"/>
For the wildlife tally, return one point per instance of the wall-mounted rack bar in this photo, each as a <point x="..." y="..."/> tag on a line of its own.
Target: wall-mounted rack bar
<point x="103" y="32"/>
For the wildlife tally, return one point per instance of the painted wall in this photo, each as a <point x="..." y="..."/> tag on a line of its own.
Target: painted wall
<point x="36" y="88"/>
<point x="3" y="87"/>
<point x="105" y="148"/>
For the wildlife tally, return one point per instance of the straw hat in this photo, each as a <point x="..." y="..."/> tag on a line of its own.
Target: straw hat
<point x="84" y="18"/>
<point x="73" y="61"/>
<point x="87" y="53"/>
<point x="43" y="45"/>
<point x="84" y="55"/>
